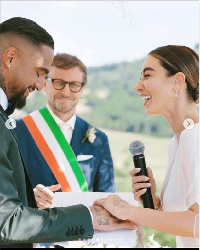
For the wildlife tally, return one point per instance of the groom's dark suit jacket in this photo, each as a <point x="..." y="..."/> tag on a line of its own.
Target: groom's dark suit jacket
<point x="97" y="170"/>
<point x="21" y="223"/>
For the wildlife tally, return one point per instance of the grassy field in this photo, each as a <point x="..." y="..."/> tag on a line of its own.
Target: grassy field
<point x="156" y="151"/>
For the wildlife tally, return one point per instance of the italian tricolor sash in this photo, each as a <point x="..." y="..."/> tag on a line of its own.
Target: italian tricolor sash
<point x="56" y="150"/>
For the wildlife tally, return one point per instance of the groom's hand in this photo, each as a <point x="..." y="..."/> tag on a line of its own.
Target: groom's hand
<point x="104" y="221"/>
<point x="44" y="195"/>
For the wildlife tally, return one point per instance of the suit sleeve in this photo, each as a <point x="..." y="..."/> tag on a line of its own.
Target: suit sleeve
<point x="22" y="224"/>
<point x="104" y="180"/>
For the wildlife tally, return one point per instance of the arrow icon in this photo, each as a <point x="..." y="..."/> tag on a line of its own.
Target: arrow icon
<point x="188" y="123"/>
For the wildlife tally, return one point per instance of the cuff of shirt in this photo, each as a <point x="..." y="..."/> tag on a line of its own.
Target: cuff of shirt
<point x="90" y="213"/>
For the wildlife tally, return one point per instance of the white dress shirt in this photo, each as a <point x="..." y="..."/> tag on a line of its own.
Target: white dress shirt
<point x="66" y="127"/>
<point x="3" y="99"/>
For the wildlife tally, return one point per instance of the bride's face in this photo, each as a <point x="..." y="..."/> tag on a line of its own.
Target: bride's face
<point x="155" y="87"/>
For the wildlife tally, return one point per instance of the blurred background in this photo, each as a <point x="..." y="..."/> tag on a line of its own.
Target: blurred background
<point x="112" y="38"/>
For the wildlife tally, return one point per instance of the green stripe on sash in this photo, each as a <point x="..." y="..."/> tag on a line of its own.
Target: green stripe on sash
<point x="66" y="148"/>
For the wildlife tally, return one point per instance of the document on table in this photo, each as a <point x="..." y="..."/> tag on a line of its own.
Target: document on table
<point x="121" y="237"/>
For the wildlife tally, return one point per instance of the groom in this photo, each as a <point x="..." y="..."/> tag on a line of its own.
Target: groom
<point x="26" y="56"/>
<point x="60" y="147"/>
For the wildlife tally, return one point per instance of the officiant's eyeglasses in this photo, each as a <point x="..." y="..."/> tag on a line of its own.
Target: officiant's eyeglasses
<point x="59" y="84"/>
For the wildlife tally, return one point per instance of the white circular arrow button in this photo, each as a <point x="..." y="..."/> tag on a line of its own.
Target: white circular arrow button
<point x="10" y="123"/>
<point x="188" y="123"/>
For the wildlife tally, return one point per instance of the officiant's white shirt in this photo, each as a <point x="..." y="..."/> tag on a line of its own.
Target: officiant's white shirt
<point x="181" y="185"/>
<point x="66" y="127"/>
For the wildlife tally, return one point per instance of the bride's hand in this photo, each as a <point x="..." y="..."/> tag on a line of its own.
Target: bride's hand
<point x="140" y="184"/>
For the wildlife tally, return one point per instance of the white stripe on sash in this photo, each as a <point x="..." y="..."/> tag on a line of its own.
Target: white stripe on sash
<point x="56" y="150"/>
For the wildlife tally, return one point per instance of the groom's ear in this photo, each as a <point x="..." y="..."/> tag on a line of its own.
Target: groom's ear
<point x="9" y="56"/>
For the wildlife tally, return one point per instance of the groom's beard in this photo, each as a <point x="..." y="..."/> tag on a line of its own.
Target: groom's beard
<point x="19" y="99"/>
<point x="16" y="102"/>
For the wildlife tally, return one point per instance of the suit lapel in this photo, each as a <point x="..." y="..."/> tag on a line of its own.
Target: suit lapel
<point x="5" y="118"/>
<point x="30" y="195"/>
<point x="3" y="113"/>
<point x="78" y="135"/>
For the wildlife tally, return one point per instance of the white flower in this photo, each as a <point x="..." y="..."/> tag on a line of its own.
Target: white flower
<point x="152" y="243"/>
<point x="91" y="138"/>
<point x="90" y="135"/>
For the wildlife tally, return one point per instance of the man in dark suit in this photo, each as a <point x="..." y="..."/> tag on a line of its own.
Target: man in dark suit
<point x="64" y="86"/>
<point x="26" y="56"/>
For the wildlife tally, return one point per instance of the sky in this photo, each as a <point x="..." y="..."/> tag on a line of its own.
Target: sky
<point x="105" y="32"/>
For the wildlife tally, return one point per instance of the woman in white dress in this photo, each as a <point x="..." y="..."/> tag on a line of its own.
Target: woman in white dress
<point x="170" y="87"/>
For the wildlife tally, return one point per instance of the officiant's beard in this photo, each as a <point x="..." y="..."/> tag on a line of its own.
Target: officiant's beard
<point x="66" y="107"/>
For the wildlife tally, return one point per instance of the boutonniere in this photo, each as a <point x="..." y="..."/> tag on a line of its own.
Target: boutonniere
<point x="90" y="135"/>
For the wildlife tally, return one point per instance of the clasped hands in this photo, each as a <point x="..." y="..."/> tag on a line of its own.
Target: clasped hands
<point x="102" y="219"/>
<point x="108" y="213"/>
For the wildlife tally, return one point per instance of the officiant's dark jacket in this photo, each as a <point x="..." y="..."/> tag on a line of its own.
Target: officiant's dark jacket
<point x="21" y="223"/>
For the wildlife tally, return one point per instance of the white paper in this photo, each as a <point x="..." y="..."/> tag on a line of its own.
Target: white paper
<point x="126" y="238"/>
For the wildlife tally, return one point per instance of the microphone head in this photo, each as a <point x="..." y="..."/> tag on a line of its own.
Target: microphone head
<point x="136" y="147"/>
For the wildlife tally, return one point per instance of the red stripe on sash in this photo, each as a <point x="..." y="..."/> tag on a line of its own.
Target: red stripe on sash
<point x="47" y="153"/>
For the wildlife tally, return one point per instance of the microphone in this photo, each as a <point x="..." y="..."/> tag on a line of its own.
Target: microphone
<point x="136" y="148"/>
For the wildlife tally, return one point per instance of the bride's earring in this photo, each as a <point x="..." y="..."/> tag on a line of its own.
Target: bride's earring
<point x="176" y="93"/>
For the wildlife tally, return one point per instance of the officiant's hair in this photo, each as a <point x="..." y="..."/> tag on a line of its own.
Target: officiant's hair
<point x="67" y="61"/>
<point x="176" y="58"/>
<point x="27" y="30"/>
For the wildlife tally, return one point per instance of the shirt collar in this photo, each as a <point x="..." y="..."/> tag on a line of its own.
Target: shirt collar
<point x="71" y="122"/>
<point x="3" y="99"/>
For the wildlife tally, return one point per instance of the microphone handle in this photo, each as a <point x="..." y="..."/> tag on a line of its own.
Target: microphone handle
<point x="139" y="162"/>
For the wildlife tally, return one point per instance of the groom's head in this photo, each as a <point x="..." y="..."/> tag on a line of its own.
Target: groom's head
<point x="26" y="56"/>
